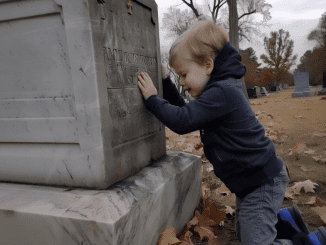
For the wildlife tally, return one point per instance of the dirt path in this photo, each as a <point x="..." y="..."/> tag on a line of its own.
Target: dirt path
<point x="297" y="126"/>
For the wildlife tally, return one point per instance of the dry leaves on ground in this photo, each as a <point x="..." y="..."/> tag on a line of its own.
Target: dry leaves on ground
<point x="301" y="149"/>
<point x="308" y="186"/>
<point x="201" y="223"/>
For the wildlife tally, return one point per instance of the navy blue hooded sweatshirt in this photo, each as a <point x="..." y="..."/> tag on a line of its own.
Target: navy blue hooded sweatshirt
<point x="234" y="140"/>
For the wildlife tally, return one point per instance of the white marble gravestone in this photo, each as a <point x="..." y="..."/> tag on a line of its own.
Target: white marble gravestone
<point x="71" y="113"/>
<point x="301" y="85"/>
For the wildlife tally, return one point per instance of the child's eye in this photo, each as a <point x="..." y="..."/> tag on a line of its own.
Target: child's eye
<point x="184" y="75"/>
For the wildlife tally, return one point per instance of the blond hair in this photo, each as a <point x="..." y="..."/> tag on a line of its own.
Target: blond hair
<point x="204" y="39"/>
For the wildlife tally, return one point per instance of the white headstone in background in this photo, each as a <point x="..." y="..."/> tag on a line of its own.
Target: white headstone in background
<point x="71" y="112"/>
<point x="301" y="85"/>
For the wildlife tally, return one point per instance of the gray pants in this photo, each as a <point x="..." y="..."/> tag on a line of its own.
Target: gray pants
<point x="256" y="213"/>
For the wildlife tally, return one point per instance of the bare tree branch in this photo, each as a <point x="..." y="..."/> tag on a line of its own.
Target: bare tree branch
<point x="191" y="5"/>
<point x="252" y="12"/>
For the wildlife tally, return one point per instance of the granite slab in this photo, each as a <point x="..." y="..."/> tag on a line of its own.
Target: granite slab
<point x="133" y="211"/>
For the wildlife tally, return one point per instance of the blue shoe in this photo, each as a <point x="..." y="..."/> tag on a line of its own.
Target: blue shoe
<point x="318" y="237"/>
<point x="292" y="214"/>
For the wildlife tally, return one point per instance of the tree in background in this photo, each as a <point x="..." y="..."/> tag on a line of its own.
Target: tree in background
<point x="279" y="49"/>
<point x="267" y="77"/>
<point x="302" y="67"/>
<point x="251" y="53"/>
<point x="319" y="34"/>
<point x="247" y="27"/>
<point x="177" y="21"/>
<point x="316" y="64"/>
<point x="251" y="77"/>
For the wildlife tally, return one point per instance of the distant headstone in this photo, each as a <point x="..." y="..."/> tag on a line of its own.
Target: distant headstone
<point x="323" y="90"/>
<point x="301" y="85"/>
<point x="71" y="112"/>
<point x="258" y="92"/>
<point x="278" y="89"/>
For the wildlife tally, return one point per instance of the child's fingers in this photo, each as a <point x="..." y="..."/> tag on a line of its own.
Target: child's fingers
<point x="148" y="77"/>
<point x="145" y="76"/>
<point x="140" y="85"/>
<point x="141" y="79"/>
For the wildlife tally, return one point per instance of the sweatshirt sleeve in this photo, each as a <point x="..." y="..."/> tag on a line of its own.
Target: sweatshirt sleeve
<point x="209" y="106"/>
<point x="171" y="94"/>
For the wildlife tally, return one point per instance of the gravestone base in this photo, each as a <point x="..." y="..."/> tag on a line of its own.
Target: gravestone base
<point x="322" y="91"/>
<point x="132" y="211"/>
<point x="303" y="94"/>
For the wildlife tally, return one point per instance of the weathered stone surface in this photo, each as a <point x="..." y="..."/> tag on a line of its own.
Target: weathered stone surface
<point x="71" y="112"/>
<point x="131" y="212"/>
<point x="301" y="85"/>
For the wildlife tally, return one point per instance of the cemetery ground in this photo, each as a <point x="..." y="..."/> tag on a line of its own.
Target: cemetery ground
<point x="297" y="127"/>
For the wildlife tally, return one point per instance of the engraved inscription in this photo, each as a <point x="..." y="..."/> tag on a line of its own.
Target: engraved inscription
<point x="128" y="65"/>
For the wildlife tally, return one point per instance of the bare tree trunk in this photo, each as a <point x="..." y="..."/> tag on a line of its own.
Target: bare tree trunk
<point x="234" y="33"/>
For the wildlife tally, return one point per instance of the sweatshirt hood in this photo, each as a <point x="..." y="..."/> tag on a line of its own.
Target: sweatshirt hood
<point x="227" y="64"/>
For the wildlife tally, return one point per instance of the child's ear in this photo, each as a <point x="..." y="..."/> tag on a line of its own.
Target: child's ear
<point x="209" y="64"/>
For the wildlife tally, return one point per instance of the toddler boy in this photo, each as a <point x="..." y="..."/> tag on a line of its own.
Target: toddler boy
<point x="234" y="140"/>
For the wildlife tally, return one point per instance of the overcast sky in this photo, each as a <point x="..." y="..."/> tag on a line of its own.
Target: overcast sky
<point x="299" y="17"/>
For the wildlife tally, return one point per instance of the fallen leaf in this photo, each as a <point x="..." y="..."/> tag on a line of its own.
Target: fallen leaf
<point x="198" y="146"/>
<point x="192" y="222"/>
<point x="319" y="134"/>
<point x="224" y="190"/>
<point x="307" y="185"/>
<point x="322" y="160"/>
<point x="310" y="152"/>
<point x="323" y="98"/>
<point x="321" y="211"/>
<point x="205" y="189"/>
<point x="269" y="115"/>
<point x="213" y="213"/>
<point x="319" y="159"/>
<point x="316" y="158"/>
<point x="204" y="220"/>
<point x="312" y="200"/>
<point x="168" y="237"/>
<point x="229" y="210"/>
<point x="270" y="124"/>
<point x="210" y="169"/>
<point x="186" y="238"/>
<point x="205" y="232"/>
<point x="319" y="203"/>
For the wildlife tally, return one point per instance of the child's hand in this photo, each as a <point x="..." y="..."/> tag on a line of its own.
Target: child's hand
<point x="146" y="85"/>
